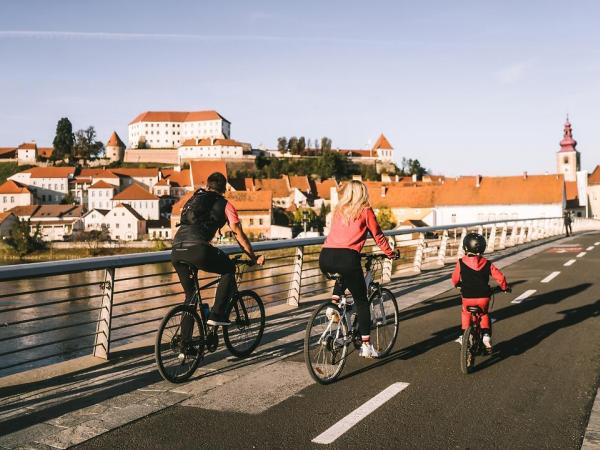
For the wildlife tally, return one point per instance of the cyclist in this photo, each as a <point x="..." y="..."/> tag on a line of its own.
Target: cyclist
<point x="202" y="216"/>
<point x="472" y="275"/>
<point x="351" y="220"/>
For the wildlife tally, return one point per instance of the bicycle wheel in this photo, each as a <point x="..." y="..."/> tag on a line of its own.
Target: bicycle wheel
<point x="467" y="351"/>
<point x="179" y="344"/>
<point x="325" y="346"/>
<point x="384" y="321"/>
<point x="247" y="316"/>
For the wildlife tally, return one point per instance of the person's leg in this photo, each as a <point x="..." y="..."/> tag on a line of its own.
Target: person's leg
<point x="185" y="277"/>
<point x="328" y="263"/>
<point x="213" y="260"/>
<point x="465" y="316"/>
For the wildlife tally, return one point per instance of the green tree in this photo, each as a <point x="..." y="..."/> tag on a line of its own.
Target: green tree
<point x="142" y="144"/>
<point x="325" y="144"/>
<point x="282" y="144"/>
<point x="293" y="145"/>
<point x="412" y="167"/>
<point x="86" y="145"/>
<point x="386" y="218"/>
<point x="22" y="240"/>
<point x="63" y="141"/>
<point x="301" y="145"/>
<point x="68" y="199"/>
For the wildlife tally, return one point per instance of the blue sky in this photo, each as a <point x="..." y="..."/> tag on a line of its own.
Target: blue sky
<point x="464" y="86"/>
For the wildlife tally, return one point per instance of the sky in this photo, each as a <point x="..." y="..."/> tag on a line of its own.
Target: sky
<point x="466" y="87"/>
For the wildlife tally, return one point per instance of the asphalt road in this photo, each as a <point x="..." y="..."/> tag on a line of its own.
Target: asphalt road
<point x="536" y="391"/>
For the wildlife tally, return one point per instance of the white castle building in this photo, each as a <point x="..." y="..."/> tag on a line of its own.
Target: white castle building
<point x="169" y="129"/>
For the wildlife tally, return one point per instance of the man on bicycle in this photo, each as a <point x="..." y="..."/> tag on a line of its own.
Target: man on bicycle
<point x="203" y="215"/>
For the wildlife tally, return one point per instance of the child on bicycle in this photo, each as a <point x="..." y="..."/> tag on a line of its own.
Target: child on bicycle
<point x="472" y="275"/>
<point x="353" y="218"/>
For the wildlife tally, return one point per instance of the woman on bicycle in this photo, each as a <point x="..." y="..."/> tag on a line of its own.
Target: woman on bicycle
<point x="472" y="274"/>
<point x="352" y="219"/>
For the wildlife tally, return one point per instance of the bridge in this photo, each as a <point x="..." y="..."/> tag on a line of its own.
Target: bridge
<point x="77" y="368"/>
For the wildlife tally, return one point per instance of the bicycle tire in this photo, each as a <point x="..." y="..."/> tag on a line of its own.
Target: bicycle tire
<point x="317" y="373"/>
<point x="168" y="354"/>
<point x="379" y="310"/>
<point x="240" y="324"/>
<point x="467" y="355"/>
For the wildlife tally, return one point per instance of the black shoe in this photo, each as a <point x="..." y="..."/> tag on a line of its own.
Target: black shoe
<point x="215" y="320"/>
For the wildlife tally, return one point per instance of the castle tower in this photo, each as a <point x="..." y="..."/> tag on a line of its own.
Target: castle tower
<point x="568" y="159"/>
<point x="115" y="149"/>
<point x="382" y="149"/>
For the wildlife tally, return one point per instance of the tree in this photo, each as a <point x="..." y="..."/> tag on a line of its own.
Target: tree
<point x="309" y="144"/>
<point x="63" y="141"/>
<point x="142" y="144"/>
<point x="301" y="145"/>
<point x="86" y="146"/>
<point x="325" y="144"/>
<point x="22" y="240"/>
<point x="93" y="239"/>
<point x="412" y="167"/>
<point x="68" y="199"/>
<point x="293" y="145"/>
<point x="386" y="218"/>
<point x="332" y="164"/>
<point x="282" y="144"/>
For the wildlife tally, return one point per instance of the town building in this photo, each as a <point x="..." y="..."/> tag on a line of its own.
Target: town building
<point x="141" y="200"/>
<point x="54" y="221"/>
<point x="100" y="195"/>
<point x="210" y="148"/>
<point x="201" y="170"/>
<point x="27" y="154"/>
<point x="593" y="193"/>
<point x="147" y="177"/>
<point x="49" y="184"/>
<point x="14" y="194"/>
<point x="169" y="129"/>
<point x="382" y="151"/>
<point x="568" y="159"/>
<point x="7" y="223"/>
<point x="159" y="229"/>
<point x="95" y="219"/>
<point x="114" y="148"/>
<point x="124" y="223"/>
<point x="180" y="181"/>
<point x="287" y="191"/>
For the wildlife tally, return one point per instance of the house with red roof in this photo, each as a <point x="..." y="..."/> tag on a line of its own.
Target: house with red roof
<point x="100" y="195"/>
<point x="147" y="177"/>
<point x="13" y="193"/>
<point x="210" y="148"/>
<point x="382" y="151"/>
<point x="594" y="193"/>
<point x="114" y="148"/>
<point x="50" y="185"/>
<point x="140" y="199"/>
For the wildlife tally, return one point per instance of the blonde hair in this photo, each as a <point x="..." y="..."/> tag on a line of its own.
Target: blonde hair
<point x="355" y="198"/>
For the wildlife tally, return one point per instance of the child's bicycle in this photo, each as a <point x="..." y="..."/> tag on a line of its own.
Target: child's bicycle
<point x="183" y="336"/>
<point x="472" y="339"/>
<point x="332" y="328"/>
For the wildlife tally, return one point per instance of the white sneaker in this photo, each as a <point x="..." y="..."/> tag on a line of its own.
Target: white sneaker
<point x="487" y="341"/>
<point x="368" y="351"/>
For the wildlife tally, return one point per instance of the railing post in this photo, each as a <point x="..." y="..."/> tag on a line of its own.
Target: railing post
<point x="461" y="251"/>
<point x="523" y="230"/>
<point x="529" y="230"/>
<point x="102" y="340"/>
<point x="296" y="283"/>
<point x="386" y="275"/>
<point x="502" y="244"/>
<point x="442" y="249"/>
<point x="418" y="262"/>
<point x="480" y="229"/>
<point x="514" y="235"/>
<point x="492" y="239"/>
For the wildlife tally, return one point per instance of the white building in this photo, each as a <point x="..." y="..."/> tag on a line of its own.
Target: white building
<point x="50" y="184"/>
<point x="124" y="223"/>
<point x="27" y="153"/>
<point x="568" y="159"/>
<point x="210" y="148"/>
<point x="114" y="148"/>
<point x="54" y="221"/>
<point x="143" y="202"/>
<point x="14" y="194"/>
<point x="99" y="195"/>
<point x="94" y="219"/>
<point x="147" y="177"/>
<point x="169" y="129"/>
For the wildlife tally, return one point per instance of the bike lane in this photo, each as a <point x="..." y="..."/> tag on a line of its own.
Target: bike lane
<point x="535" y="391"/>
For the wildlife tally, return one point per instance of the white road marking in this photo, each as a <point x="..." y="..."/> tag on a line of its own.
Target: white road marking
<point x="339" y="428"/>
<point x="596" y="243"/>
<point x="579" y="255"/>
<point x="550" y="277"/>
<point x="570" y="262"/>
<point x="591" y="247"/>
<point x="459" y="339"/>
<point x="524" y="295"/>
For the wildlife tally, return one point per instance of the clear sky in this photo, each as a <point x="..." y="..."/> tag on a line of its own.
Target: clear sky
<point x="464" y="86"/>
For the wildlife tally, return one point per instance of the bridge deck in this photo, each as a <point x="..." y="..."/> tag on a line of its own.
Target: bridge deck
<point x="537" y="390"/>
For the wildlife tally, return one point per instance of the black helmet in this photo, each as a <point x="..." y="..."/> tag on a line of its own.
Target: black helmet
<point x="474" y="243"/>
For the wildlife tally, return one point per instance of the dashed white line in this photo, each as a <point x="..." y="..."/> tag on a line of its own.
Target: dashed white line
<point x="596" y="243"/>
<point x="591" y="247"/>
<point x="579" y="255"/>
<point x="339" y="428"/>
<point x="569" y="262"/>
<point x="524" y="295"/>
<point x="550" y="277"/>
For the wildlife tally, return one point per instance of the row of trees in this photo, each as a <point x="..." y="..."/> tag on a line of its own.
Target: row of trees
<point x="301" y="145"/>
<point x="72" y="146"/>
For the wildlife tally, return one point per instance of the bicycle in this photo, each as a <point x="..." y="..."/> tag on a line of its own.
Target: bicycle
<point x="332" y="328"/>
<point x="472" y="338"/>
<point x="183" y="335"/>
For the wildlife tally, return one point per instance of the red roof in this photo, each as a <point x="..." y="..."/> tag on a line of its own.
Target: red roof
<point x="28" y="146"/>
<point x="279" y="186"/>
<point x="324" y="188"/>
<point x="45" y="152"/>
<point x="135" y="192"/>
<point x="97" y="173"/>
<point x="12" y="187"/>
<point x="250" y="201"/>
<point x="201" y="170"/>
<point x="8" y="152"/>
<point x="140" y="172"/>
<point x="567" y="143"/>
<point x="594" y="177"/>
<point x="177" y="116"/>
<point x="178" y="179"/>
<point x="115" y="140"/>
<point x="101" y="185"/>
<point x="300" y="182"/>
<point x="208" y="143"/>
<point x="50" y="172"/>
<point x="382" y="143"/>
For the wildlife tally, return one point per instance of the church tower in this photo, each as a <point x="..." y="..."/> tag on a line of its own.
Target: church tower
<point x="568" y="159"/>
<point x="115" y="149"/>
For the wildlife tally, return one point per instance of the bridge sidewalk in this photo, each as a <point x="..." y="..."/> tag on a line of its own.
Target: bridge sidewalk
<point x="69" y="403"/>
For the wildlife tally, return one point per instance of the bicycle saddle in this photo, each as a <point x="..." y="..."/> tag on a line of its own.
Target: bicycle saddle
<point x="474" y="309"/>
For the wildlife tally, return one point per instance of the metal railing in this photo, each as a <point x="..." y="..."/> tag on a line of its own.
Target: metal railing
<point x="54" y="311"/>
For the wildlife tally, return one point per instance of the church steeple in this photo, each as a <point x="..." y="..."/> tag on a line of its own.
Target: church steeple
<point x="568" y="158"/>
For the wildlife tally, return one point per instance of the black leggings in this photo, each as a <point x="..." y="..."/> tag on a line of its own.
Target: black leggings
<point x="209" y="259"/>
<point x="346" y="262"/>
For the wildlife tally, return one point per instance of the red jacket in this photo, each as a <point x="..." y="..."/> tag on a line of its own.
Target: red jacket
<point x="478" y="263"/>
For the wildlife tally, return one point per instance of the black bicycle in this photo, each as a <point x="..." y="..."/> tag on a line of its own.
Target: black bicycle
<point x="472" y="344"/>
<point x="333" y="327"/>
<point x="183" y="336"/>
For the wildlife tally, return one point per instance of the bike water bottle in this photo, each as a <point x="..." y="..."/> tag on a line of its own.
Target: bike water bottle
<point x="205" y="310"/>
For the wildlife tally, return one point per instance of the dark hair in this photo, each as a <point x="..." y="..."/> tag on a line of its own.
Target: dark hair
<point x="217" y="182"/>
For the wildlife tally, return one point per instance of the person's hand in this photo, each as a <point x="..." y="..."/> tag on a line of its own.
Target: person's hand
<point x="395" y="255"/>
<point x="260" y="260"/>
<point x="508" y="289"/>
